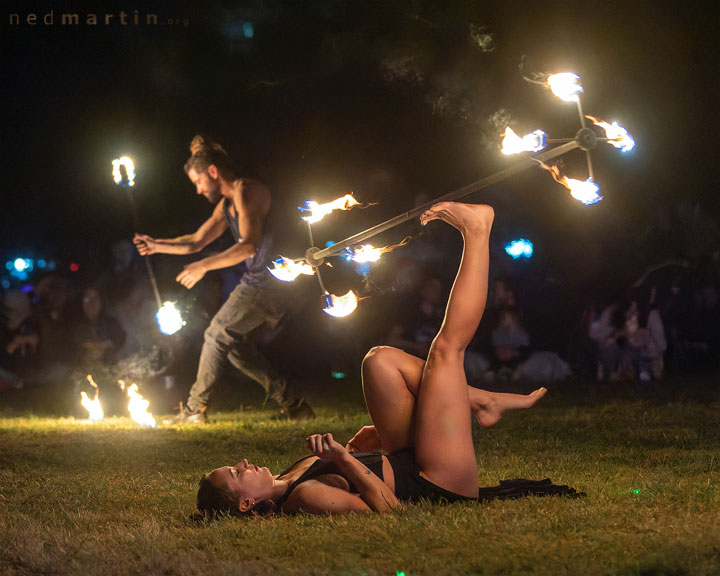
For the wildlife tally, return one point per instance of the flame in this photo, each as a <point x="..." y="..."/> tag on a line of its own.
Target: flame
<point x="92" y="406"/>
<point x="584" y="191"/>
<point x="367" y="253"/>
<point x="169" y="318"/>
<point x="565" y="86"/>
<point x="137" y="406"/>
<point x="513" y="144"/>
<point x="129" y="168"/>
<point x="340" y="306"/>
<point x="319" y="211"/>
<point x="616" y="134"/>
<point x="288" y="270"/>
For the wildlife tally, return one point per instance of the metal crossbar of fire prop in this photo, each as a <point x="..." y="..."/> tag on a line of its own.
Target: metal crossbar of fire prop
<point x="565" y="86"/>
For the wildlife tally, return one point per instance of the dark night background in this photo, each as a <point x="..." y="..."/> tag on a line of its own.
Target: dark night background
<point x="392" y="100"/>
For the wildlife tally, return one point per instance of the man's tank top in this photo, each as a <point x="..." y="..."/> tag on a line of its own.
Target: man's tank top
<point x="257" y="266"/>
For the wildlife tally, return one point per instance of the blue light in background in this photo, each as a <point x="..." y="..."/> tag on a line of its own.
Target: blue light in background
<point x="238" y="30"/>
<point x="362" y="269"/>
<point x="520" y="248"/>
<point x="22" y="264"/>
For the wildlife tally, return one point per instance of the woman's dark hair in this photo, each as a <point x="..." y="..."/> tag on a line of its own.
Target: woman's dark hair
<point x="205" y="153"/>
<point x="212" y="501"/>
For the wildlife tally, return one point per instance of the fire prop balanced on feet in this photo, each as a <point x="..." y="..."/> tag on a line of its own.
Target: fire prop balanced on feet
<point x="419" y="411"/>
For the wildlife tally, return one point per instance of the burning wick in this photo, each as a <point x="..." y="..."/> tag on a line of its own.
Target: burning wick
<point x="616" y="134"/>
<point x="319" y="211"/>
<point x="288" y="270"/>
<point x="340" y="306"/>
<point x="127" y="163"/>
<point x="586" y="192"/>
<point x="366" y="252"/>
<point x="169" y="318"/>
<point x="92" y="406"/>
<point x="137" y="406"/>
<point x="565" y="86"/>
<point x="514" y="144"/>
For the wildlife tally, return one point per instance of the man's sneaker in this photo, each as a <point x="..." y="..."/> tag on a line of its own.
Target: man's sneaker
<point x="191" y="416"/>
<point x="299" y="410"/>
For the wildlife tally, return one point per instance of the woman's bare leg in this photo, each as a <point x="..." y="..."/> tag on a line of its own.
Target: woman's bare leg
<point x="443" y="435"/>
<point x="391" y="380"/>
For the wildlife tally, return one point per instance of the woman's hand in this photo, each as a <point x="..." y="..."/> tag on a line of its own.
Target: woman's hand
<point x="324" y="446"/>
<point x="365" y="440"/>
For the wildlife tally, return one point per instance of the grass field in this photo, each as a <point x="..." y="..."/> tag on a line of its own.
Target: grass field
<point x="110" y="498"/>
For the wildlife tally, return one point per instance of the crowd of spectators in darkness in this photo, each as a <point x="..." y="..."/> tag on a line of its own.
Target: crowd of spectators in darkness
<point x="66" y="326"/>
<point x="59" y="328"/>
<point x="667" y="323"/>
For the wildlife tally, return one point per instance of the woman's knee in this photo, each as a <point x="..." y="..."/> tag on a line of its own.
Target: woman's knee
<point x="379" y="358"/>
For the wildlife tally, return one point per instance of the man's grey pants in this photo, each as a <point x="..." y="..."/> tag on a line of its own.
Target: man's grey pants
<point x="228" y="338"/>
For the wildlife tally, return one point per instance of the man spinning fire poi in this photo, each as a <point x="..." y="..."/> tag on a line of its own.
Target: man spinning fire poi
<point x="243" y="206"/>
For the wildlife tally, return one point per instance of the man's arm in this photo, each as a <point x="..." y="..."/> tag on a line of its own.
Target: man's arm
<point x="252" y="202"/>
<point x="210" y="231"/>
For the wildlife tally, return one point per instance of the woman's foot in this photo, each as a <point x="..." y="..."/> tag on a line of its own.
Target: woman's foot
<point x="493" y="404"/>
<point x="467" y="218"/>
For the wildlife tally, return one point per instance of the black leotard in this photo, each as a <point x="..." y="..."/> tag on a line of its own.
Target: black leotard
<point x="410" y="486"/>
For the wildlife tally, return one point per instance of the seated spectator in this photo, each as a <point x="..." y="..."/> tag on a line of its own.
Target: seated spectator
<point x="20" y="342"/>
<point x="510" y="341"/>
<point x="55" y="324"/>
<point x="99" y="337"/>
<point x="415" y="332"/>
<point x="630" y="340"/>
<point x="513" y="359"/>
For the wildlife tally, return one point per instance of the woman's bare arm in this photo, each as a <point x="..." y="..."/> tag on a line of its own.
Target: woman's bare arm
<point x="374" y="492"/>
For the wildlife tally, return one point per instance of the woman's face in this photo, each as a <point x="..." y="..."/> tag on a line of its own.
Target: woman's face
<point x="244" y="481"/>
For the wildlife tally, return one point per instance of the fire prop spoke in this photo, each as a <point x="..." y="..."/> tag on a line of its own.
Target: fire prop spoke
<point x="288" y="270"/>
<point x="615" y="134"/>
<point x="565" y="86"/>
<point x="586" y="192"/>
<point x="340" y="306"/>
<point x="319" y="211"/>
<point x="514" y="144"/>
<point x="366" y="253"/>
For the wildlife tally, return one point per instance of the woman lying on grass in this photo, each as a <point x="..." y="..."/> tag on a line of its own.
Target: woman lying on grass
<point x="420" y="411"/>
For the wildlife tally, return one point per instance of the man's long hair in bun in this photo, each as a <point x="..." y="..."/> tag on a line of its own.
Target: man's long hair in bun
<point x="206" y="152"/>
